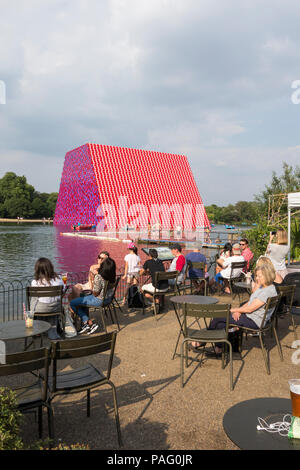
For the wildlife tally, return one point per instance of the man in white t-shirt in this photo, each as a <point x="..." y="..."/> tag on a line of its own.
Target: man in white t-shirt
<point x="226" y="266"/>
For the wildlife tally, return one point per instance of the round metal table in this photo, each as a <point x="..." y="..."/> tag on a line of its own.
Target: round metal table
<point x="240" y="424"/>
<point x="189" y="299"/>
<point x="194" y="299"/>
<point x="244" y="285"/>
<point x="16" y="329"/>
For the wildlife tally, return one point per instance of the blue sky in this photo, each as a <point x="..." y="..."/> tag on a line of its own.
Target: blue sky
<point x="207" y="79"/>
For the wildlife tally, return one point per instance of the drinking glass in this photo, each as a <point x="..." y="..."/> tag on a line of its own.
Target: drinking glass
<point x="295" y="396"/>
<point x="64" y="277"/>
<point x="29" y="318"/>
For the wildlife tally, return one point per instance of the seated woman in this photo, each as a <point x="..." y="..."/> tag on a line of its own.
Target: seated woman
<point x="252" y="312"/>
<point x="45" y="276"/>
<point x="226" y="252"/>
<point x="106" y="272"/>
<point x="78" y="288"/>
<point x="263" y="260"/>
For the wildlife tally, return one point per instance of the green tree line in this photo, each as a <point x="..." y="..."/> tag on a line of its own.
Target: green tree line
<point x="20" y="199"/>
<point x="255" y="211"/>
<point x="241" y="212"/>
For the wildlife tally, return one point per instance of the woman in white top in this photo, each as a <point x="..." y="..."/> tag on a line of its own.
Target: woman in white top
<point x="132" y="268"/>
<point x="45" y="276"/>
<point x="277" y="251"/>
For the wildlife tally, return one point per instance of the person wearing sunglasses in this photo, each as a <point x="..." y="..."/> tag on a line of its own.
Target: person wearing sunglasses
<point x="77" y="289"/>
<point x="246" y="252"/>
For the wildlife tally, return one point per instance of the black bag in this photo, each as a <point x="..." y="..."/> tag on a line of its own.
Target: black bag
<point x="135" y="298"/>
<point x="234" y="337"/>
<point x="86" y="292"/>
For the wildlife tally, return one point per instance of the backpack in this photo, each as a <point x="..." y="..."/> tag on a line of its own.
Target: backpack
<point x="290" y="279"/>
<point x="135" y="298"/>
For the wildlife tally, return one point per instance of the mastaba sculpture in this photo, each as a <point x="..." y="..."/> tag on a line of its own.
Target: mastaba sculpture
<point x="126" y="186"/>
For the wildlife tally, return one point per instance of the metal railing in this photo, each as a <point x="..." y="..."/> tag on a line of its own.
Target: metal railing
<point x="13" y="293"/>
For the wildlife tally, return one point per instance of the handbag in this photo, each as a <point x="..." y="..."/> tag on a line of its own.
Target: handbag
<point x="86" y="292"/>
<point x="70" y="330"/>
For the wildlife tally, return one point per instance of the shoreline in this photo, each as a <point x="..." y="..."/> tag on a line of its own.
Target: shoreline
<point x="20" y="221"/>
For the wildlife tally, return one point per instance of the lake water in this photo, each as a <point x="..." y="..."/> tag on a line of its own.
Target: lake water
<point x="22" y="244"/>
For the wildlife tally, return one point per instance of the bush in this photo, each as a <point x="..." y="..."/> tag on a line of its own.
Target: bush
<point x="258" y="237"/>
<point x="10" y="421"/>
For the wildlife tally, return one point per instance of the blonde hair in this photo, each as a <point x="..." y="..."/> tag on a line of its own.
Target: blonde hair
<point x="268" y="273"/>
<point x="262" y="260"/>
<point x="281" y="237"/>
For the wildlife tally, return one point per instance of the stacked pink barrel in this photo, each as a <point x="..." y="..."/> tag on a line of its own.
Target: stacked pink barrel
<point x="137" y="186"/>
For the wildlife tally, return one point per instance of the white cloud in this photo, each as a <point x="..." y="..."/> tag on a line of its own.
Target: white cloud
<point x="205" y="78"/>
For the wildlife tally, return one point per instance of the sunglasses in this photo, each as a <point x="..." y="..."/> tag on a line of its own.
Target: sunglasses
<point x="242" y="244"/>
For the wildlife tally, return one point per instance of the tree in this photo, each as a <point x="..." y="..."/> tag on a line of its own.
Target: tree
<point x="288" y="182"/>
<point x="19" y="199"/>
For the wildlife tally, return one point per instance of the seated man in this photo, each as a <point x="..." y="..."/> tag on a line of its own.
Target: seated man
<point x="178" y="264"/>
<point x="196" y="257"/>
<point x="225" y="264"/>
<point x="246" y="252"/>
<point x="153" y="265"/>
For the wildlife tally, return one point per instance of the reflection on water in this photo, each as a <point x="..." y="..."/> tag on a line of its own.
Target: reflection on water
<point x="22" y="244"/>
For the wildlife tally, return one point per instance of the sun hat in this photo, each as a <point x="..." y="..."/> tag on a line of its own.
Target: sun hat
<point x="236" y="248"/>
<point x="131" y="245"/>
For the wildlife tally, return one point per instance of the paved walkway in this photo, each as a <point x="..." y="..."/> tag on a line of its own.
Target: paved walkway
<point x="155" y="412"/>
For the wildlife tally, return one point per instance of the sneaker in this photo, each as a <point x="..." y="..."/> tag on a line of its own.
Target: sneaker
<point x="93" y="328"/>
<point x="85" y="329"/>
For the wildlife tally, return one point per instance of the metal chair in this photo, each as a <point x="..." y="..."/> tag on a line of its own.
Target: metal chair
<point x="234" y="291"/>
<point x="34" y="395"/>
<point x="100" y="309"/>
<point x="162" y="276"/>
<point x="47" y="291"/>
<point x="199" y="266"/>
<point x="294" y="279"/>
<point x="266" y="325"/>
<point x="286" y="301"/>
<point x="204" y="334"/>
<point x="87" y="377"/>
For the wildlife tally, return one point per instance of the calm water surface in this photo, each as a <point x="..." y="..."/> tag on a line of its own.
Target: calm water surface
<point x="22" y="244"/>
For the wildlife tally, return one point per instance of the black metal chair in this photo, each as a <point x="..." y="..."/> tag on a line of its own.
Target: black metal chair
<point x="294" y="279"/>
<point x="268" y="324"/>
<point x="233" y="278"/>
<point x="286" y="304"/>
<point x="204" y="334"/>
<point x="157" y="294"/>
<point x="34" y="395"/>
<point x="47" y="291"/>
<point x="87" y="377"/>
<point x="195" y="279"/>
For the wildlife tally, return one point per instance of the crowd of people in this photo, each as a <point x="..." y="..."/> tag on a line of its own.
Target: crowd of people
<point x="269" y="271"/>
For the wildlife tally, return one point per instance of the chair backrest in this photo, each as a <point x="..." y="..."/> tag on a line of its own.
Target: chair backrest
<point x="165" y="276"/>
<point x="200" y="265"/>
<point x="294" y="279"/>
<point x="287" y="292"/>
<point x="270" y="309"/>
<point x="27" y="361"/>
<point x="206" y="311"/>
<point x="116" y="285"/>
<point x="82" y="347"/>
<point x="237" y="265"/>
<point x="45" y="291"/>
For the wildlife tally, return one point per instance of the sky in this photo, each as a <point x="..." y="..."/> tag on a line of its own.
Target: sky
<point x="208" y="79"/>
